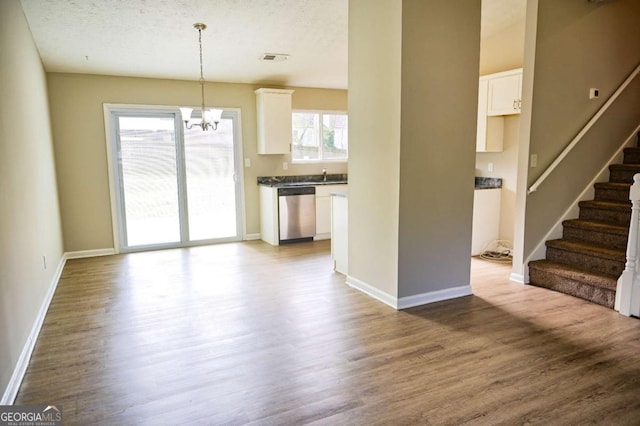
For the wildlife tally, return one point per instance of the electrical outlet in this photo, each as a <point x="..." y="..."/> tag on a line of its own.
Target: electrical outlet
<point x="490" y="167"/>
<point x="285" y="166"/>
<point x="534" y="160"/>
<point x="247" y="162"/>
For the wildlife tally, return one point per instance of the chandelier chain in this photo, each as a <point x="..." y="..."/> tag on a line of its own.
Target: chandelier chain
<point x="201" y="74"/>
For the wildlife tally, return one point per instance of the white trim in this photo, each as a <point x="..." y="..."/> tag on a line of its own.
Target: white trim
<point x="408" y="301"/>
<point x="112" y="173"/>
<point x="374" y="292"/>
<point x="112" y="169"/>
<point x="242" y="202"/>
<point x="584" y="130"/>
<point x="251" y="237"/>
<point x="20" y="369"/>
<point x="434" y="296"/>
<point x="90" y="253"/>
<point x="518" y="278"/>
<point x="587" y="194"/>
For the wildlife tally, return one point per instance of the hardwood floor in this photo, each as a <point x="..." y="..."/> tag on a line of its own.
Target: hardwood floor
<point x="252" y="334"/>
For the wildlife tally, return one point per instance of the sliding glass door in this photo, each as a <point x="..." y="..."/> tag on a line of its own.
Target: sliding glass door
<point x="175" y="187"/>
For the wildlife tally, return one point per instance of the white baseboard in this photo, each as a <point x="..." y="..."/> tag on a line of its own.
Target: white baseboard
<point x="90" y="253"/>
<point x="19" y="371"/>
<point x="518" y="278"/>
<point x="434" y="296"/>
<point x="409" y="301"/>
<point x="374" y="292"/>
<point x="251" y="237"/>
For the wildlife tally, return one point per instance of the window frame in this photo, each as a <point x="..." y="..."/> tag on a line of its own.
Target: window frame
<point x="320" y="113"/>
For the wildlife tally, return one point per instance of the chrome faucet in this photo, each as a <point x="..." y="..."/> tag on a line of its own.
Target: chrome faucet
<point x="324" y="175"/>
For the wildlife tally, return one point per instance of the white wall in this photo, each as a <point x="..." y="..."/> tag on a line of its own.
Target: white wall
<point x="501" y="52"/>
<point x="29" y="213"/>
<point x="505" y="166"/>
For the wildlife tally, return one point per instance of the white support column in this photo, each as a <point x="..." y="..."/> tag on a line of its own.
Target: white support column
<point x="627" y="291"/>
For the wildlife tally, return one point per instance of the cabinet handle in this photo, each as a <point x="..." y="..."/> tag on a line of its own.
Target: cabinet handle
<point x="514" y="104"/>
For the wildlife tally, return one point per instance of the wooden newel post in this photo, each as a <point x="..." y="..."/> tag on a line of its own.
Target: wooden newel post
<point x="629" y="277"/>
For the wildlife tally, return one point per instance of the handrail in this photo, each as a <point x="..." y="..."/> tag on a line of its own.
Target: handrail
<point x="584" y="131"/>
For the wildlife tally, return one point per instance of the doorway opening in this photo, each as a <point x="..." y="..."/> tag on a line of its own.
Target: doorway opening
<point x="171" y="186"/>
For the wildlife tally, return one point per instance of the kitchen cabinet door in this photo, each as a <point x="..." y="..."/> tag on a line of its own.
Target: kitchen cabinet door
<point x="486" y="218"/>
<point x="490" y="130"/>
<point x="504" y="93"/>
<point x="323" y="209"/>
<point x="274" y="121"/>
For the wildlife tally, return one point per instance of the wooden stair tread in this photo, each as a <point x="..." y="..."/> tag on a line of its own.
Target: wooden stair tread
<point x="590" y="257"/>
<point x="624" y="166"/>
<point x="606" y="205"/>
<point x="592" y="225"/>
<point x="615" y="185"/>
<point x="586" y="248"/>
<point x="589" y="278"/>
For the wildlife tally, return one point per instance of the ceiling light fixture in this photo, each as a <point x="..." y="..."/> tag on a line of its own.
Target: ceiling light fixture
<point x="210" y="118"/>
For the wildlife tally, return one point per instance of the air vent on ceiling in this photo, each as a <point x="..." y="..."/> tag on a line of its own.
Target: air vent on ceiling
<point x="274" y="57"/>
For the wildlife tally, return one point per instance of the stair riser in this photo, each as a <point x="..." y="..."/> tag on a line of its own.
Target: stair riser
<point x="616" y="217"/>
<point x="622" y="176"/>
<point x="614" y="241"/>
<point x="565" y="285"/>
<point x="610" y="194"/>
<point x="586" y="261"/>
<point x="631" y="156"/>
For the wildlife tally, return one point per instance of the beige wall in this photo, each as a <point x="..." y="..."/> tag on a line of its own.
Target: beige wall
<point x="579" y="45"/>
<point x="29" y="213"/>
<point x="80" y="146"/>
<point x="374" y="141"/>
<point x="415" y="64"/>
<point x="440" y="57"/>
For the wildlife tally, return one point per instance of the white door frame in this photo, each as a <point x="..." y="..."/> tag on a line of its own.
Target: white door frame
<point x="113" y="173"/>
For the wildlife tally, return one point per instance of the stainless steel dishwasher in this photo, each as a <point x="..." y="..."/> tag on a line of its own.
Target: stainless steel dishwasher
<point x="297" y="214"/>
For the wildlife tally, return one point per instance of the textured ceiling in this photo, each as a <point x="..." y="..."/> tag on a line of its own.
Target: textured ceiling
<point x="155" y="38"/>
<point x="498" y="15"/>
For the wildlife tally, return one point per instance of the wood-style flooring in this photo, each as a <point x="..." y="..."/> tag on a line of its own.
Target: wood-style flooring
<point x="247" y="333"/>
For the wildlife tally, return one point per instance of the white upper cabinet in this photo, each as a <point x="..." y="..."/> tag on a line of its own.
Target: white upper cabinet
<point x="504" y="93"/>
<point x="274" y="121"/>
<point x="490" y="130"/>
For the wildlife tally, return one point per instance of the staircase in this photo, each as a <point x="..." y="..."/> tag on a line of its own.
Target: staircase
<point x="590" y="257"/>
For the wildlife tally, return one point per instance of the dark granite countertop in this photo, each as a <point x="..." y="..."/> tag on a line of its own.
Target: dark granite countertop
<point x="488" y="183"/>
<point x="302" y="180"/>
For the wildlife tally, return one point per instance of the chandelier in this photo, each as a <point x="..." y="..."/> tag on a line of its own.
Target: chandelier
<point x="209" y="118"/>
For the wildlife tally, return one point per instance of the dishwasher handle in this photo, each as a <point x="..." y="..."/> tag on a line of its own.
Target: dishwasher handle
<point x="298" y="190"/>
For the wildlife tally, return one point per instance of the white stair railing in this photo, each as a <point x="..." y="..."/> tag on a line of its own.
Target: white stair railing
<point x="628" y="289"/>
